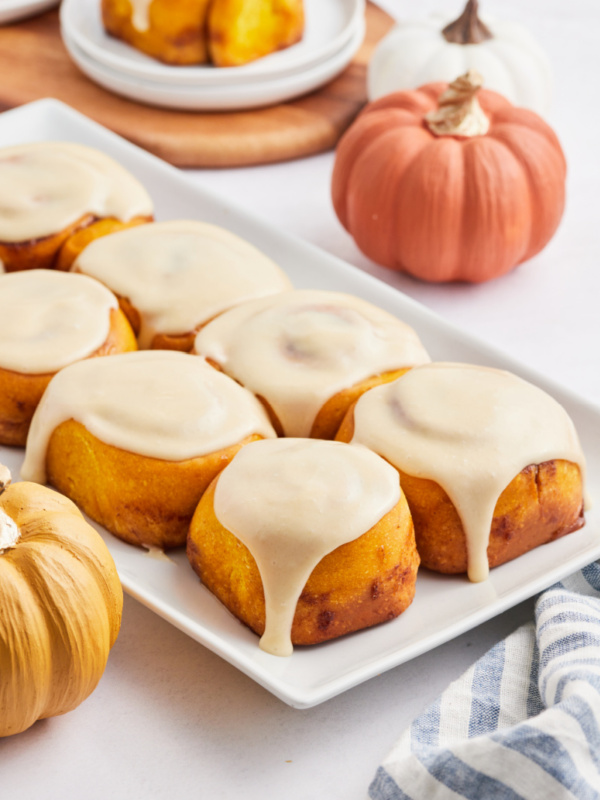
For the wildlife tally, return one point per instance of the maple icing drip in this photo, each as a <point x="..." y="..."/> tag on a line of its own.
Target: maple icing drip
<point x="471" y="430"/>
<point x="293" y="501"/>
<point x="140" y="14"/>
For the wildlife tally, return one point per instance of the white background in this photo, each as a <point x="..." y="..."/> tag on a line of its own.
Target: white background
<point x="170" y="719"/>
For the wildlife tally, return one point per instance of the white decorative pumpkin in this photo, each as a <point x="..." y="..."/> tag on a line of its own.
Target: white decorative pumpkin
<point x="509" y="59"/>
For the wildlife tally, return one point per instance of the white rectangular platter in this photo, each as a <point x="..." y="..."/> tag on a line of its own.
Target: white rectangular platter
<point x="444" y="606"/>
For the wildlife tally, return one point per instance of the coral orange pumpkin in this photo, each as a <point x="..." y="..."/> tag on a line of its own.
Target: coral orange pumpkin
<point x="435" y="184"/>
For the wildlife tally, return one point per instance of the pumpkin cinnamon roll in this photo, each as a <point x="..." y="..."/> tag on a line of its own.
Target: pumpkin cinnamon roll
<point x="305" y="541"/>
<point x="308" y="355"/>
<point x="240" y="31"/>
<point x="135" y="439"/>
<point x="223" y="32"/>
<point x="172" y="31"/>
<point x="50" y="190"/>
<point x="491" y="465"/>
<point x="172" y="277"/>
<point x="49" y="320"/>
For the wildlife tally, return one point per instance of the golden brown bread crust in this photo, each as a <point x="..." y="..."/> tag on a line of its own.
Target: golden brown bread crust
<point x="329" y="418"/>
<point x="176" y="34"/>
<point x="332" y="412"/>
<point x="360" y="584"/>
<point x="21" y="392"/>
<point x="144" y="501"/>
<point x="183" y="342"/>
<point x="542" y="503"/>
<point x="79" y="240"/>
<point x="54" y="251"/>
<point x="184" y="31"/>
<point x="38" y="253"/>
<point x="240" y="31"/>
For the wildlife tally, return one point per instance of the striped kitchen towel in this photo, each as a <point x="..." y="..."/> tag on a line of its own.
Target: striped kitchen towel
<point x="523" y="722"/>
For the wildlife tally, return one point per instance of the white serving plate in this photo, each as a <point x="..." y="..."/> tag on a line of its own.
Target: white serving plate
<point x="13" y="10"/>
<point x="267" y="91"/>
<point x="444" y="606"/>
<point x="328" y="28"/>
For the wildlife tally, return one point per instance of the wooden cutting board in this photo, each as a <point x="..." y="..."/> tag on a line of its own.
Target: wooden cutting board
<point x="35" y="64"/>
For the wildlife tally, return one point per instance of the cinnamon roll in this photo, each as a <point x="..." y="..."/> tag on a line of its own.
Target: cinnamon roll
<point x="135" y="439"/>
<point x="305" y="541"/>
<point x="50" y="190"/>
<point x="172" y="277"/>
<point x="308" y="355"/>
<point x="490" y="464"/>
<point x="49" y="320"/>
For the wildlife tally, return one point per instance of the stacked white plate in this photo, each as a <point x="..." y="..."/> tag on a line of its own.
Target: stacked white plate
<point x="334" y="31"/>
<point x="13" y="10"/>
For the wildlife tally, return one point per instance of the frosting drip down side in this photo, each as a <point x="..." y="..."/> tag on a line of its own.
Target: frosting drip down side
<point x="293" y="501"/>
<point x="471" y="430"/>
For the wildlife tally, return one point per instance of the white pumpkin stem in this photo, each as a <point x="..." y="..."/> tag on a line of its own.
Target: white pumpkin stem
<point x="468" y="28"/>
<point x="459" y="112"/>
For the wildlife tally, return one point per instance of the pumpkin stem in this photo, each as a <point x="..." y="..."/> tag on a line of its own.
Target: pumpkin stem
<point x="9" y="532"/>
<point x="468" y="28"/>
<point x="459" y="112"/>
<point x="5" y="477"/>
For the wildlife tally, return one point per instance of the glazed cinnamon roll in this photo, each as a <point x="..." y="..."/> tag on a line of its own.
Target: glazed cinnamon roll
<point x="305" y="541"/>
<point x="309" y="355"/>
<point x="173" y="31"/>
<point x="50" y="190"/>
<point x="172" y="277"/>
<point x="49" y="320"/>
<point x="490" y="464"/>
<point x="223" y="32"/>
<point x="135" y="439"/>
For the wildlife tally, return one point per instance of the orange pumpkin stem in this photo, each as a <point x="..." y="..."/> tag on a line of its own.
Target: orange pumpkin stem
<point x="468" y="28"/>
<point x="459" y="112"/>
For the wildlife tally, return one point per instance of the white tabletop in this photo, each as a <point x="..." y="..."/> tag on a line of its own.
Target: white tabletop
<point x="170" y="719"/>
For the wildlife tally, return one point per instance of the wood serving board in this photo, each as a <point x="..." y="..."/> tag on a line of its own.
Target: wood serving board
<point x="34" y="64"/>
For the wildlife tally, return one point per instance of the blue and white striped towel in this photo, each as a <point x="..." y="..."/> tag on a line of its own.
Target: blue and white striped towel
<point x="523" y="722"/>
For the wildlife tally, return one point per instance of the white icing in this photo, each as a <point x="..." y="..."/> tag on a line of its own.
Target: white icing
<point x="180" y="274"/>
<point x="156" y="403"/>
<point x="140" y="14"/>
<point x="51" y="319"/>
<point x="471" y="430"/>
<point x="47" y="186"/>
<point x="299" y="348"/>
<point x="293" y="501"/>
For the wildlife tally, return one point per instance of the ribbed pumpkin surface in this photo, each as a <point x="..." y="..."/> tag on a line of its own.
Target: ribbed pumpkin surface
<point x="60" y="608"/>
<point x="446" y="207"/>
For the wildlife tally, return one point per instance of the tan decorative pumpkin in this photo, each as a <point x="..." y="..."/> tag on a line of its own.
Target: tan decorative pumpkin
<point x="449" y="183"/>
<point x="60" y="605"/>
